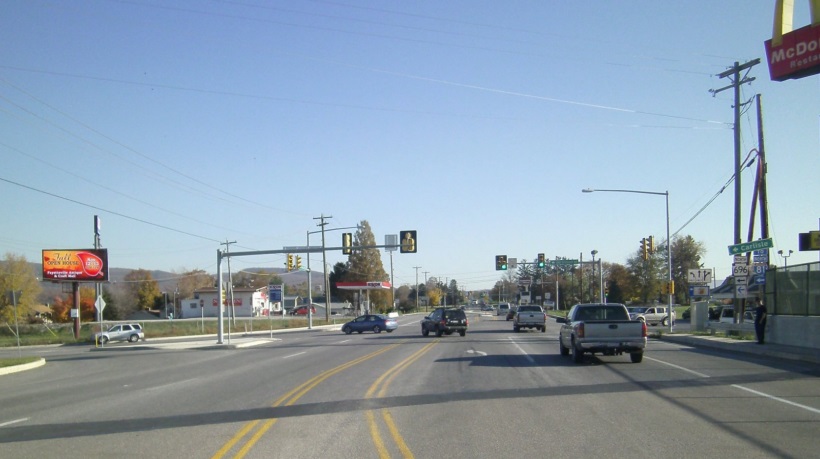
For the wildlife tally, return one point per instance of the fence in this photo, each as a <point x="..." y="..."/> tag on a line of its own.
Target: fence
<point x="793" y="290"/>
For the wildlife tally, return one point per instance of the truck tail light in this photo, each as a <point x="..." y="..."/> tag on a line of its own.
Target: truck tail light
<point x="580" y="330"/>
<point x="465" y="321"/>
<point x="443" y="323"/>
<point x="643" y="329"/>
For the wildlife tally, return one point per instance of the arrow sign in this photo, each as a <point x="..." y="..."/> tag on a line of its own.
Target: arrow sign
<point x="751" y="246"/>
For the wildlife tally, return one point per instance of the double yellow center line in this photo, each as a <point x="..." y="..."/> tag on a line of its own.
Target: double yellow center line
<point x="379" y="389"/>
<point x="286" y="400"/>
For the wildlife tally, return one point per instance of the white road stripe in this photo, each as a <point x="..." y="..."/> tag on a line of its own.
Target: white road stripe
<point x="677" y="367"/>
<point x="169" y="385"/>
<point x="738" y="386"/>
<point x="772" y="397"/>
<point x="530" y="359"/>
<point x="13" y="422"/>
<point x="293" y="355"/>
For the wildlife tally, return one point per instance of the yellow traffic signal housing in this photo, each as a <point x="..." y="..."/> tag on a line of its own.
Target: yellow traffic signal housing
<point x="298" y="262"/>
<point x="651" y="244"/>
<point x="644" y="248"/>
<point x="408" y="242"/>
<point x="347" y="243"/>
<point x="290" y="263"/>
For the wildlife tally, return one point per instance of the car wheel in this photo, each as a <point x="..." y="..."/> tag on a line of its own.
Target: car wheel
<point x="544" y="329"/>
<point x="104" y="339"/>
<point x="636" y="357"/>
<point x="389" y="331"/>
<point x="439" y="332"/>
<point x="462" y="332"/>
<point x="347" y="330"/>
<point x="360" y="332"/>
<point x="564" y="351"/>
<point x="133" y="338"/>
<point x="424" y="331"/>
<point x="577" y="354"/>
<point x="376" y="329"/>
<point x="665" y="321"/>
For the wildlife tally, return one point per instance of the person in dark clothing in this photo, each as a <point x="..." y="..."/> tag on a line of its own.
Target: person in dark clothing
<point x="760" y="320"/>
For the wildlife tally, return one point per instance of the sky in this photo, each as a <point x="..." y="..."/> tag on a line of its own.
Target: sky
<point x="187" y="124"/>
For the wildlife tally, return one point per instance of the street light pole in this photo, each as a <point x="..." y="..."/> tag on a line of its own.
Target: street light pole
<point x="592" y="282"/>
<point x="785" y="257"/>
<point x="668" y="241"/>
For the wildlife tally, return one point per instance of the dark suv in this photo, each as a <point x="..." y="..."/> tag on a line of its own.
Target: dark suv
<point x="445" y="321"/>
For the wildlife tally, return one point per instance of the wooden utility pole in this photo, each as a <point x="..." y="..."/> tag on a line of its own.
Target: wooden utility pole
<point x="734" y="74"/>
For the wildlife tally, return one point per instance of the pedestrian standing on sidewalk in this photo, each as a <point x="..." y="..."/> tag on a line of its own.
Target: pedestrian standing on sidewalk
<point x="761" y="315"/>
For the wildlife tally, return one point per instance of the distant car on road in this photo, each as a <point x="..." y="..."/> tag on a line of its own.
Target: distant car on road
<point x="503" y="309"/>
<point x="302" y="311"/>
<point x="370" y="322"/>
<point x="121" y="332"/>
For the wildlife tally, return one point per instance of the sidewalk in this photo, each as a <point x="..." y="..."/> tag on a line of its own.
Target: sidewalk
<point x="746" y="347"/>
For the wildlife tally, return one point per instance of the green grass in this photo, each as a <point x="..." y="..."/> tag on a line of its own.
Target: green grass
<point x="33" y="335"/>
<point x="17" y="361"/>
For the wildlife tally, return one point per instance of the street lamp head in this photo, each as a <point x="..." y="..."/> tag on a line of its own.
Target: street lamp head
<point x="587" y="190"/>
<point x="780" y="252"/>
<point x="594" y="252"/>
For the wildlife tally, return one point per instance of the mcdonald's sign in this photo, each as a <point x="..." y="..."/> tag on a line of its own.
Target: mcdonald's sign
<point x="793" y="54"/>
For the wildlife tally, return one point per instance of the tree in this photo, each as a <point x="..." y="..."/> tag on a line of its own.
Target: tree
<point x="142" y="289"/>
<point x="618" y="277"/>
<point x="686" y="255"/>
<point x="190" y="281"/>
<point x="16" y="275"/>
<point x="339" y="274"/>
<point x="365" y="265"/>
<point x="63" y="304"/>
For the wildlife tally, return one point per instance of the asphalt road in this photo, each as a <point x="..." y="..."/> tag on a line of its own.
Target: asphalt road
<point x="491" y="394"/>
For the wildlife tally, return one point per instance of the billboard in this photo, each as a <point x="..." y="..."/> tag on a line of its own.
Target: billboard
<point x="793" y="54"/>
<point x="83" y="265"/>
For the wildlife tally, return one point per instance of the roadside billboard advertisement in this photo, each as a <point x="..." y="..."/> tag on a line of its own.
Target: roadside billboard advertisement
<point x="83" y="265"/>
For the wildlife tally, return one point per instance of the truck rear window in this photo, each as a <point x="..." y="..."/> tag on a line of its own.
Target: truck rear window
<point x="591" y="313"/>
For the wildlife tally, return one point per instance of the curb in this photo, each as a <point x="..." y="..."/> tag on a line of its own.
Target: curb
<point x="28" y="366"/>
<point x="742" y="348"/>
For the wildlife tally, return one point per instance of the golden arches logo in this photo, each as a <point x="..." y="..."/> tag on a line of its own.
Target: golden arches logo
<point x="784" y="18"/>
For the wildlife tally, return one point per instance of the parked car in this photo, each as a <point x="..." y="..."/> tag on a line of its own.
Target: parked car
<point x="651" y="315"/>
<point x="503" y="309"/>
<point x="371" y="322"/>
<point x="302" y="311"/>
<point x="445" y="321"/>
<point x="727" y="315"/>
<point x="121" y="332"/>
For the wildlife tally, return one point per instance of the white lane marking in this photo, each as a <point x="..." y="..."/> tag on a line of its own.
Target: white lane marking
<point x="13" y="422"/>
<point x="738" y="386"/>
<point x="293" y="355"/>
<point x="530" y="359"/>
<point x="471" y="351"/>
<point x="772" y="397"/>
<point x="343" y="341"/>
<point x="169" y="385"/>
<point x="677" y="367"/>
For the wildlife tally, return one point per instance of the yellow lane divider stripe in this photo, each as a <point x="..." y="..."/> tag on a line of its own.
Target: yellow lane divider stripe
<point x="294" y="395"/>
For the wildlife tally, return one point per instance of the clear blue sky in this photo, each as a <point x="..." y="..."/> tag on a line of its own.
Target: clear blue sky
<point x="476" y="123"/>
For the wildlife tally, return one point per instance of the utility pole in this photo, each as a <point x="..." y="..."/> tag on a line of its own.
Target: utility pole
<point x="735" y="78"/>
<point x="220" y="327"/>
<point x="322" y="223"/>
<point x="417" y="286"/>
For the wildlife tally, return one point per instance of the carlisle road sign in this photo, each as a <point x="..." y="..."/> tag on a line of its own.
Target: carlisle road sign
<point x="751" y="246"/>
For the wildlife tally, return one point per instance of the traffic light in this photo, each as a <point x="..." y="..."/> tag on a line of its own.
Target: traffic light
<point x="542" y="260"/>
<point x="290" y="263"/>
<point x="651" y="244"/>
<point x="298" y="262"/>
<point x="408" y="242"/>
<point x="347" y="243"/>
<point x="644" y="247"/>
<point x="500" y="262"/>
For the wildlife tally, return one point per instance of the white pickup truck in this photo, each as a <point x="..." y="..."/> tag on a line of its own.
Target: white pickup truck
<point x="601" y="328"/>
<point x="530" y="316"/>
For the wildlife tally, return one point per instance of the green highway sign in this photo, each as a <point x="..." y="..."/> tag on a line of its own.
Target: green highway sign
<point x="563" y="262"/>
<point x="750" y="246"/>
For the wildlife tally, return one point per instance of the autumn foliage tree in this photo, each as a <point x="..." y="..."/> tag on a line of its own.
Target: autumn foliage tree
<point x="63" y="304"/>
<point x="16" y="275"/>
